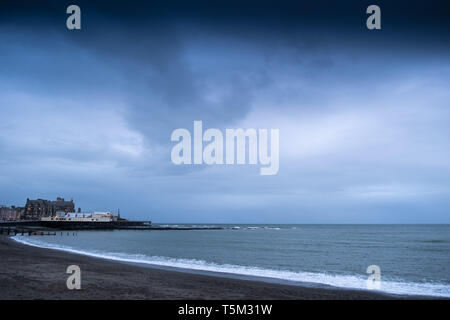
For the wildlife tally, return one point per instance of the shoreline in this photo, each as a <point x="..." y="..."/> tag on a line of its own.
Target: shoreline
<point x="29" y="272"/>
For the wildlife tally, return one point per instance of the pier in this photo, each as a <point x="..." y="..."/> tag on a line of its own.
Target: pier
<point x="45" y="217"/>
<point x="37" y="227"/>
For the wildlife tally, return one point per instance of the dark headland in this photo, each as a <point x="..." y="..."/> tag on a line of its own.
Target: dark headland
<point x="35" y="273"/>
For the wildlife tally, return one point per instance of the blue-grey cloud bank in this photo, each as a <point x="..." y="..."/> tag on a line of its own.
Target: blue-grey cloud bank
<point x="363" y="114"/>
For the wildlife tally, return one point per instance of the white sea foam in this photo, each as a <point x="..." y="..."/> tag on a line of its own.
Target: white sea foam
<point x="342" y="281"/>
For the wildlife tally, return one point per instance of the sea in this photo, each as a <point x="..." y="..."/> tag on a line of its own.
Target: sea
<point x="412" y="259"/>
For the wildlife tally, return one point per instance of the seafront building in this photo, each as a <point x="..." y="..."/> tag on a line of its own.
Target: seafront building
<point x="36" y="209"/>
<point x="82" y="217"/>
<point x="11" y="213"/>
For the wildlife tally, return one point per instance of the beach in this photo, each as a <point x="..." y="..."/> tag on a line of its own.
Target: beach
<point x="28" y="272"/>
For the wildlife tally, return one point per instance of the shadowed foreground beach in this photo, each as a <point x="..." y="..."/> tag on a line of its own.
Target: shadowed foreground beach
<point x="34" y="273"/>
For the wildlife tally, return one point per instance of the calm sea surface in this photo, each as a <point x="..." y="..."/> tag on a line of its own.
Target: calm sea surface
<point x="414" y="259"/>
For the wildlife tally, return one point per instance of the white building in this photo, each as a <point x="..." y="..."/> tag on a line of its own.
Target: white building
<point x="82" y="217"/>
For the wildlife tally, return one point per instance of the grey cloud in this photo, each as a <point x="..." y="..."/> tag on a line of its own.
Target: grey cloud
<point x="91" y="114"/>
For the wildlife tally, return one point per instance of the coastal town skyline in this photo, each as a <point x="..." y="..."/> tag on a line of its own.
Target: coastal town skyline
<point x="37" y="209"/>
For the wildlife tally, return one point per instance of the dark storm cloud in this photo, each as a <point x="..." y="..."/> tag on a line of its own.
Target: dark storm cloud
<point x="409" y="16"/>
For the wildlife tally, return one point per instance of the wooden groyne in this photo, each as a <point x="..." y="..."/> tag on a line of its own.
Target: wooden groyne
<point x="47" y="227"/>
<point x="23" y="232"/>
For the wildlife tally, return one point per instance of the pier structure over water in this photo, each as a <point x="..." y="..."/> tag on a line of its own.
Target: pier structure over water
<point x="46" y="226"/>
<point x="76" y="225"/>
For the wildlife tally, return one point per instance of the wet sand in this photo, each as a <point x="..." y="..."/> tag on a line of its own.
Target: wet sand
<point x="33" y="273"/>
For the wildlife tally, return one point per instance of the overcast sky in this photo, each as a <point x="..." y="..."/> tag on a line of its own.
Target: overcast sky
<point x="364" y="116"/>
